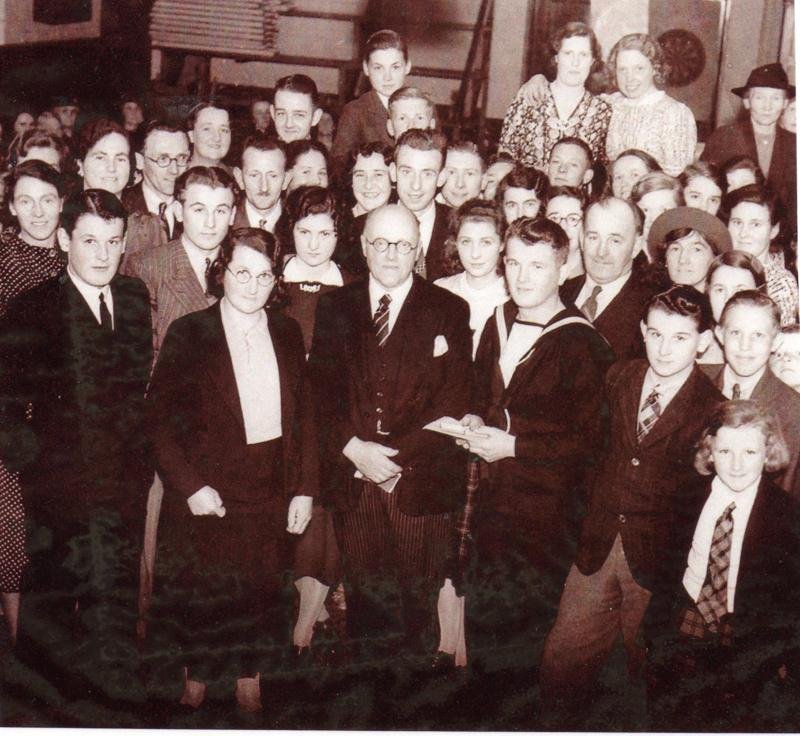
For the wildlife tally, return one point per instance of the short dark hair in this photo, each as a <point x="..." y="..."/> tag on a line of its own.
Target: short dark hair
<point x="295" y="149"/>
<point x="410" y="93"/>
<point x="95" y="131"/>
<point x="262" y="142"/>
<point x="705" y="169"/>
<point x="752" y="298"/>
<point x="385" y="39"/>
<point x="303" y="202"/>
<point x="739" y="259"/>
<point x="39" y="139"/>
<point x="685" y="301"/>
<point x="92" y="202"/>
<point x="160" y="126"/>
<point x="532" y="231"/>
<point x="571" y="140"/>
<point x="636" y="213"/>
<point x="422" y="140"/>
<point x="466" y="147"/>
<point x="754" y="194"/>
<point x="34" y="169"/>
<point x="191" y="118"/>
<point x="571" y="30"/>
<point x="571" y="192"/>
<point x="473" y="210"/>
<point x="742" y="162"/>
<point x="648" y="160"/>
<point x="211" y="176"/>
<point x="657" y="181"/>
<point x="300" y="83"/>
<point x="523" y="177"/>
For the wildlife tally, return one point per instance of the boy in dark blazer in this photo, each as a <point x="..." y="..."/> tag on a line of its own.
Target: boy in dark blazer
<point x="658" y="409"/>
<point x="383" y="368"/>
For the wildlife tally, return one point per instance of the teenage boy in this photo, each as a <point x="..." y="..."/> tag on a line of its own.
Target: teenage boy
<point x="104" y="156"/>
<point x="464" y="168"/>
<point x="151" y="217"/>
<point x="418" y="169"/>
<point x="262" y="179"/>
<point x="658" y="407"/>
<point x="209" y="130"/>
<point x="295" y="107"/>
<point x="385" y="64"/>
<point x="753" y="223"/>
<point x="747" y="330"/>
<point x="410" y="107"/>
<point x="500" y="164"/>
<point x="785" y="360"/>
<point x="570" y="163"/>
<point x="539" y="423"/>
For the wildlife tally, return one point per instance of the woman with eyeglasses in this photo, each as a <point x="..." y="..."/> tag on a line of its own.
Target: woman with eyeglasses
<point x="565" y="207"/>
<point x="231" y="430"/>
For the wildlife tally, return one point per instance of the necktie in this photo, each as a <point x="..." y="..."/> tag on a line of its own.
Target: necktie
<point x="648" y="414"/>
<point x="419" y="266"/>
<point x="105" y="315"/>
<point x="713" y="600"/>
<point x="380" y="320"/>
<point x="162" y="215"/>
<point x="262" y="224"/>
<point x="589" y="307"/>
<point x="205" y="276"/>
<point x="736" y="394"/>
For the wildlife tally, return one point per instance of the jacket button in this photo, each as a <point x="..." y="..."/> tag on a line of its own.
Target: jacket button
<point x="635" y="462"/>
<point x="622" y="518"/>
<point x="379" y="410"/>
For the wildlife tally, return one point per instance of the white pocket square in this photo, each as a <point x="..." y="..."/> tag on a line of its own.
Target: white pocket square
<point x="440" y="346"/>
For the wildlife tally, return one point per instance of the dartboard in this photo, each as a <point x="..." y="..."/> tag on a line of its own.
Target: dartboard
<point x="685" y="55"/>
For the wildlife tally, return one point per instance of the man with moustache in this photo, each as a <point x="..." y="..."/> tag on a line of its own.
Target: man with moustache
<point x="262" y="179"/>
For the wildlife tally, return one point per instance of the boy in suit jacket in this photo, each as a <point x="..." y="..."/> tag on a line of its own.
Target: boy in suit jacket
<point x="391" y="353"/>
<point x="385" y="64"/>
<point x="658" y="409"/>
<point x="748" y="329"/>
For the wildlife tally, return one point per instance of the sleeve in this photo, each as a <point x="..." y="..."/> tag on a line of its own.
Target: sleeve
<point x="679" y="140"/>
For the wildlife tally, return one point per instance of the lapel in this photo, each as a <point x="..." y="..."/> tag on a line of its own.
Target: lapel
<point x="220" y="365"/>
<point x="763" y="391"/>
<point x="750" y="141"/>
<point x="753" y="541"/>
<point x="629" y="403"/>
<point x="676" y="412"/>
<point x="571" y="289"/>
<point x="285" y="374"/>
<point x="182" y="281"/>
<point x="406" y="337"/>
<point x="438" y="238"/>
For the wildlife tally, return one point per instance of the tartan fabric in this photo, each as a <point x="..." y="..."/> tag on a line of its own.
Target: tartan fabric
<point x="380" y="320"/>
<point x="648" y="414"/>
<point x="691" y="624"/>
<point x="464" y="520"/>
<point x="420" y="267"/>
<point x="713" y="601"/>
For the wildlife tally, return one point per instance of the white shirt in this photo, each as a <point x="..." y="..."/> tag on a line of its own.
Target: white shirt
<point x="746" y="384"/>
<point x="197" y="259"/>
<point x="426" y="218"/>
<point x="384" y="100"/>
<point x="482" y="302"/>
<point x="697" y="563"/>
<point x="667" y="387"/>
<point x="91" y="295"/>
<point x="254" y="217"/>
<point x="398" y="294"/>
<point x="607" y="292"/>
<point x="521" y="339"/>
<point x="255" y="368"/>
<point x="297" y="270"/>
<point x="154" y="200"/>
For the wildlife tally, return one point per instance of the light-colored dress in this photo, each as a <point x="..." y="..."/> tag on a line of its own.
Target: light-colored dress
<point x="656" y="124"/>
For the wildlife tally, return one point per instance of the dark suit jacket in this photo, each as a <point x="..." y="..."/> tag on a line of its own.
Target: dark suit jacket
<point x="784" y="402"/>
<point x="173" y="286"/>
<point x="638" y="490"/>
<point x="738" y="139"/>
<point x="84" y="444"/>
<point x="362" y="121"/>
<point x="195" y="416"/>
<point x="345" y="363"/>
<point x="619" y="321"/>
<point x="145" y="230"/>
<point x="766" y="603"/>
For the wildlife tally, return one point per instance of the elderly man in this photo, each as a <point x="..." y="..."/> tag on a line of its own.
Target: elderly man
<point x="390" y="354"/>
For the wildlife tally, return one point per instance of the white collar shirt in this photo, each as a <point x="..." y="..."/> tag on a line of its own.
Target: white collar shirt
<point x="255" y="217"/>
<point x="397" y="293"/>
<point x="199" y="260"/>
<point x="667" y="387"/>
<point x="153" y="201"/>
<point x="426" y="219"/>
<point x="297" y="270"/>
<point x="607" y="291"/>
<point x="91" y="295"/>
<point x="746" y="384"/>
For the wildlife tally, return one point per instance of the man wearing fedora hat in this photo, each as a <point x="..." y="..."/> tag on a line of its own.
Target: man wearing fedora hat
<point x="765" y="96"/>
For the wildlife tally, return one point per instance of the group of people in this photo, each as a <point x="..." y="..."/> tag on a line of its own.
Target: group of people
<point x="504" y="411"/>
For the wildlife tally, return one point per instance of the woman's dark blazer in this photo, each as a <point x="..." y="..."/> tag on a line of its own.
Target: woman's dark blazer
<point x="195" y="418"/>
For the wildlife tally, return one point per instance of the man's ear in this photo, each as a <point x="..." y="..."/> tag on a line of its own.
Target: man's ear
<point x="63" y="239"/>
<point x="364" y="244"/>
<point x="316" y="116"/>
<point x="638" y="246"/>
<point x="390" y="127"/>
<point x="706" y="338"/>
<point x="190" y="133"/>
<point x="408" y="69"/>
<point x="285" y="181"/>
<point x="365" y="68"/>
<point x="746" y="101"/>
<point x="774" y="232"/>
<point x="432" y="123"/>
<point x="177" y="209"/>
<point x="442" y="178"/>
<point x="393" y="172"/>
<point x="562" y="273"/>
<point x="139" y="161"/>
<point x="589" y="175"/>
<point x="237" y="174"/>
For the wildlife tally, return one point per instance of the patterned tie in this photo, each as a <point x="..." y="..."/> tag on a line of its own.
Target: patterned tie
<point x="162" y="215"/>
<point x="105" y="315"/>
<point x="380" y="320"/>
<point x="589" y="307"/>
<point x="205" y="276"/>
<point x="736" y="394"/>
<point x="713" y="600"/>
<point x="419" y="267"/>
<point x="648" y="414"/>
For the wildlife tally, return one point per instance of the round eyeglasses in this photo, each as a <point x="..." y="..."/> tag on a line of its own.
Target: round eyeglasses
<point x="382" y="245"/>
<point x="573" y="220"/>
<point x="243" y="276"/>
<point x="163" y="161"/>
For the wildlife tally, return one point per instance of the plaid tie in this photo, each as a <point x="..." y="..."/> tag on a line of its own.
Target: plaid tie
<point x="589" y="307"/>
<point x="419" y="267"/>
<point x="648" y="414"/>
<point x="713" y="600"/>
<point x="380" y="320"/>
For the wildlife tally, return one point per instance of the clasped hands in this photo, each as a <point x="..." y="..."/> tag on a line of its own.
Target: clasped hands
<point x="372" y="459"/>
<point x="208" y="502"/>
<point x="488" y="443"/>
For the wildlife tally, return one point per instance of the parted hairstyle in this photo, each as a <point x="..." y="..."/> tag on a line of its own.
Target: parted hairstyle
<point x="160" y="126"/>
<point x="96" y="130"/>
<point x="300" y="83"/>
<point x="191" y="118"/>
<point x="739" y="259"/>
<point x="34" y="169"/>
<point x="523" y="177"/>
<point x="572" y="140"/>
<point x="295" y="149"/>
<point x="258" y="240"/>
<point x="39" y="139"/>
<point x="657" y="181"/>
<point x="702" y="169"/>
<point x="570" y="30"/>
<point x="752" y="298"/>
<point x="571" y="192"/>
<point x="303" y="202"/>
<point x="684" y="301"/>
<point x="535" y="230"/>
<point x="648" y="160"/>
<point x="212" y="176"/>
<point x="755" y="194"/>
<point x="385" y="39"/>
<point x="262" y="142"/>
<point x="92" y="202"/>
<point x="410" y="93"/>
<point x="473" y="210"/>
<point x="422" y="140"/>
<point x="650" y="48"/>
<point x="467" y="147"/>
<point x="742" y="162"/>
<point x="743" y="413"/>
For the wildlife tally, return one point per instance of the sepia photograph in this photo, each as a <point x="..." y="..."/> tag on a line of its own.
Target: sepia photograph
<point x="378" y="365"/>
